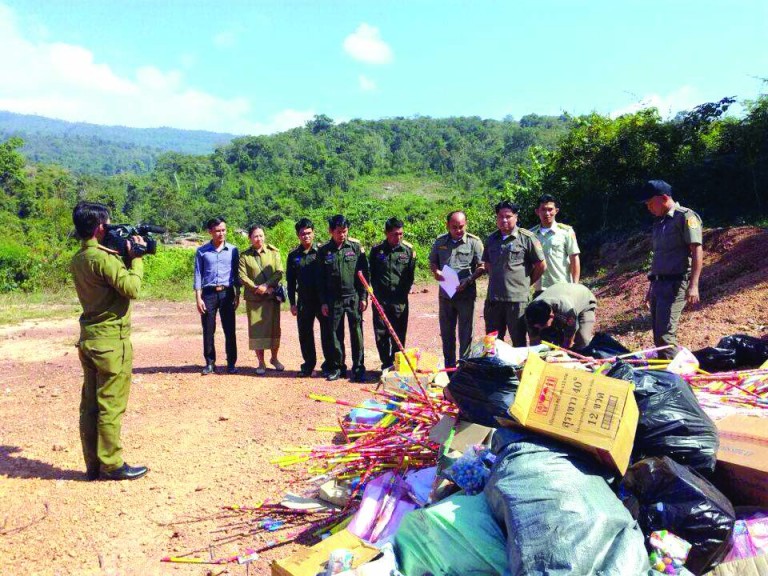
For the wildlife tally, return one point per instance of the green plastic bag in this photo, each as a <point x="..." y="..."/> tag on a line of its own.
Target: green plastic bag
<point x="457" y="536"/>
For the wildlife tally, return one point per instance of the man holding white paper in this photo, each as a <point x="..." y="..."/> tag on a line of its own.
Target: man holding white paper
<point x="461" y="252"/>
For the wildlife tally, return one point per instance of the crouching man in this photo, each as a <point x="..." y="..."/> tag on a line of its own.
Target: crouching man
<point x="567" y="310"/>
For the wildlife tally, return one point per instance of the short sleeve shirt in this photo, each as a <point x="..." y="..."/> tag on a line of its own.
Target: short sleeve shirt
<point x="464" y="256"/>
<point x="511" y="260"/>
<point x="559" y="244"/>
<point x="672" y="236"/>
<point x="568" y="301"/>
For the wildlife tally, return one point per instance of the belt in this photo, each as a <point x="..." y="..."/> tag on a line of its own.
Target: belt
<point x="217" y="288"/>
<point x="666" y="277"/>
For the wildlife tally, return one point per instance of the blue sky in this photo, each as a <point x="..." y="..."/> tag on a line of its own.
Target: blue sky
<point x="265" y="66"/>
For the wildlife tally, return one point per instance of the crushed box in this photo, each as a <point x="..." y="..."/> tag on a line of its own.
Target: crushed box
<point x="311" y="561"/>
<point x="594" y="412"/>
<point x="742" y="459"/>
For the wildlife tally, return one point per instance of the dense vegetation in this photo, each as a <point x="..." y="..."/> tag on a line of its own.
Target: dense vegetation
<point x="415" y="168"/>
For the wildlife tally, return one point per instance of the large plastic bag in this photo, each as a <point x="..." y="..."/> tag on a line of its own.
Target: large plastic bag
<point x="671" y="421"/>
<point x="485" y="383"/>
<point x="603" y="345"/>
<point x="716" y="359"/>
<point x="385" y="503"/>
<point x="665" y="495"/>
<point x="560" y="514"/>
<point x="750" y="351"/>
<point x="456" y="537"/>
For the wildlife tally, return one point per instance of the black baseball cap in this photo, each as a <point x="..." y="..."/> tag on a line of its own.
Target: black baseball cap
<point x="653" y="188"/>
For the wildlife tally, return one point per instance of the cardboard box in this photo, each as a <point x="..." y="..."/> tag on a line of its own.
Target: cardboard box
<point x="591" y="411"/>
<point x="310" y="561"/>
<point x="401" y="365"/>
<point x="742" y="459"/>
<point x="757" y="566"/>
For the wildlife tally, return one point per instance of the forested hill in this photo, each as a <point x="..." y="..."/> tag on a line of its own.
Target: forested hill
<point x="107" y="150"/>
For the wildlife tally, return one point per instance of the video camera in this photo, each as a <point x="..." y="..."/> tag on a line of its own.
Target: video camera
<point x="118" y="235"/>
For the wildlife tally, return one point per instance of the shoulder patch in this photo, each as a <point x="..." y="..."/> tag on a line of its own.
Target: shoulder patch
<point x="470" y="235"/>
<point x="108" y="250"/>
<point x="692" y="221"/>
<point x="564" y="226"/>
<point x="272" y="247"/>
<point x="536" y="228"/>
<point x="528" y="233"/>
<point x="354" y="240"/>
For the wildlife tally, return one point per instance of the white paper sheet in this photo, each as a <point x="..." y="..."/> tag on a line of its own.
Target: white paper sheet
<point x="451" y="281"/>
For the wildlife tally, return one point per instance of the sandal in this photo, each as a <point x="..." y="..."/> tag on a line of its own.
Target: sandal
<point x="276" y="363"/>
<point x="260" y="371"/>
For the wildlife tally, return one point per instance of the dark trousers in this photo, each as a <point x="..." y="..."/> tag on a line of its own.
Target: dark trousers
<point x="305" y="321"/>
<point x="224" y="303"/>
<point x="397" y="314"/>
<point x="452" y="313"/>
<point x="348" y="306"/>
<point x="667" y="303"/>
<point x="503" y="317"/>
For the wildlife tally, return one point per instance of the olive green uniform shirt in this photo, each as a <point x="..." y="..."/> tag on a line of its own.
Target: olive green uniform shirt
<point x="569" y="302"/>
<point x="392" y="271"/>
<point x="559" y="244"/>
<point x="302" y="271"/>
<point x="105" y="288"/>
<point x="511" y="260"/>
<point x="672" y="237"/>
<point x="339" y="266"/>
<point x="463" y="256"/>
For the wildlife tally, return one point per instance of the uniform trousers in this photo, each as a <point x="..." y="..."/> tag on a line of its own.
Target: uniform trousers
<point x="452" y="313"/>
<point x="107" y="365"/>
<point x="667" y="299"/>
<point x="348" y="306"/>
<point x="306" y="315"/>
<point x="222" y="302"/>
<point x="397" y="314"/>
<point x="503" y="317"/>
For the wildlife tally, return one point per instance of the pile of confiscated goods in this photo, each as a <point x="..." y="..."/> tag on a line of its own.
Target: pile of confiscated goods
<point x="538" y="461"/>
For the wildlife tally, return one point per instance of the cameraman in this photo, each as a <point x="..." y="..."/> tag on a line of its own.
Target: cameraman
<point x="105" y="288"/>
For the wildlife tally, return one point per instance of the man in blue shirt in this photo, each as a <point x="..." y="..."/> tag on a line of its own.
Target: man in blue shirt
<point x="217" y="289"/>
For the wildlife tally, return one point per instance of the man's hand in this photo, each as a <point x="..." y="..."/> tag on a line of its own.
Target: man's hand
<point x="324" y="310"/>
<point x="135" y="241"/>
<point x="692" y="294"/>
<point x="647" y="300"/>
<point x="260" y="289"/>
<point x="363" y="305"/>
<point x="438" y="276"/>
<point x="294" y="310"/>
<point x="464" y="283"/>
<point x="201" y="306"/>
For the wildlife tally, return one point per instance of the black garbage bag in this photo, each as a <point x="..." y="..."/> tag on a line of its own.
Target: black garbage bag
<point x="483" y="388"/>
<point x="750" y="351"/>
<point x="603" y="345"/>
<point x="716" y="359"/>
<point x="560" y="515"/>
<point x="665" y="495"/>
<point x="671" y="421"/>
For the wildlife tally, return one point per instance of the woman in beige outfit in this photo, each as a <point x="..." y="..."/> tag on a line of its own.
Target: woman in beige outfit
<point x="261" y="269"/>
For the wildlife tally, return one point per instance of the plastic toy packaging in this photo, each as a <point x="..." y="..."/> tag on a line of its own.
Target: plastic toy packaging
<point x="669" y="553"/>
<point x="472" y="470"/>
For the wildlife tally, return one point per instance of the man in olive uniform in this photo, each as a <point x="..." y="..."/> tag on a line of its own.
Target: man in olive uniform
<point x="342" y="294"/>
<point x="558" y="240"/>
<point x="567" y="308"/>
<point x="393" y="265"/>
<point x="302" y="270"/>
<point x="105" y="288"/>
<point x="461" y="251"/>
<point x="513" y="259"/>
<point x="676" y="265"/>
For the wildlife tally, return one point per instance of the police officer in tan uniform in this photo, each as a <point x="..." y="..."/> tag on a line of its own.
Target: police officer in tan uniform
<point x="567" y="308"/>
<point x="514" y="260"/>
<point x="105" y="288"/>
<point x="461" y="251"/>
<point x="676" y="265"/>
<point x="558" y="240"/>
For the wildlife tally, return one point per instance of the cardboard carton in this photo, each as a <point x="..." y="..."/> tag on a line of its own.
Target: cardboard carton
<point x="401" y="365"/>
<point x="742" y="459"/>
<point x="311" y="561"/>
<point x="591" y="411"/>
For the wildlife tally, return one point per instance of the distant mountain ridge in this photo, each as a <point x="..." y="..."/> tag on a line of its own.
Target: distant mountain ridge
<point x="95" y="149"/>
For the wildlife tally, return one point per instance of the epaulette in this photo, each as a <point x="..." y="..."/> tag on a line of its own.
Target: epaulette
<point x="355" y="240"/>
<point x="406" y="244"/>
<point x="273" y="248"/>
<point x="108" y="250"/>
<point x="564" y="226"/>
<point x="528" y="233"/>
<point x="442" y="236"/>
<point x="536" y="228"/>
<point x="470" y="235"/>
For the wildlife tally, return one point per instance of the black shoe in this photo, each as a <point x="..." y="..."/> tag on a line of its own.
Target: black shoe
<point x="358" y="377"/>
<point x="333" y="375"/>
<point x="324" y="373"/>
<point x="343" y="372"/>
<point x="209" y="369"/>
<point x="231" y="369"/>
<point x="91" y="475"/>
<point x="305" y="373"/>
<point x="125" y="472"/>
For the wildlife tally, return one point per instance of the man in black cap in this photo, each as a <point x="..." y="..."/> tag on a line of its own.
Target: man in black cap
<point x="676" y="265"/>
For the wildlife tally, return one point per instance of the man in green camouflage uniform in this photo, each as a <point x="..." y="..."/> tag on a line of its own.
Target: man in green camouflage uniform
<point x="461" y="251"/>
<point x="676" y="265"/>
<point x="567" y="308"/>
<point x="514" y="260"/>
<point x="393" y="264"/>
<point x="342" y="294"/>
<point x="105" y="288"/>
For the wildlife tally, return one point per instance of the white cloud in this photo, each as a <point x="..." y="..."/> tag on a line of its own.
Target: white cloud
<point x="365" y="44"/>
<point x="366" y="84"/>
<point x="225" y="39"/>
<point x="684" y="98"/>
<point x="68" y="82"/>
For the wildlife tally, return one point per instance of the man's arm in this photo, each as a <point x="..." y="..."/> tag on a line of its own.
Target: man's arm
<point x="538" y="271"/>
<point x="198" y="283"/>
<point x="575" y="268"/>
<point x="434" y="264"/>
<point x="126" y="281"/>
<point x="410" y="275"/>
<point x="362" y="266"/>
<point x="697" y="259"/>
<point x="290" y="278"/>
